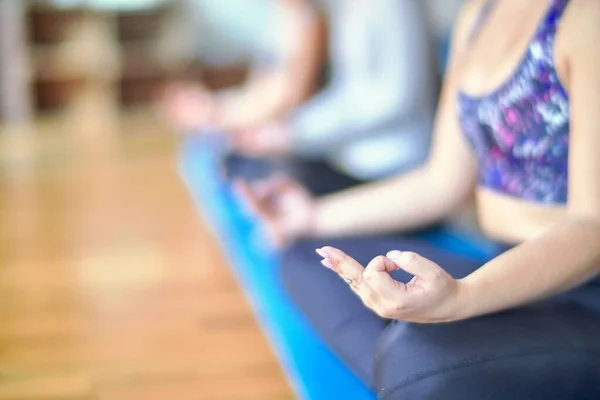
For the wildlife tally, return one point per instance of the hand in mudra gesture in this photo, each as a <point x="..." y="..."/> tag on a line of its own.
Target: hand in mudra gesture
<point x="284" y="207"/>
<point x="432" y="295"/>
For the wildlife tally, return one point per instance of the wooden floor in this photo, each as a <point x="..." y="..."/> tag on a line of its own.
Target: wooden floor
<point x="111" y="288"/>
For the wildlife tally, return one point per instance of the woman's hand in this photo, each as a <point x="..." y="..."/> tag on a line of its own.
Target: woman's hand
<point x="188" y="107"/>
<point x="431" y="296"/>
<point x="269" y="139"/>
<point x="283" y="205"/>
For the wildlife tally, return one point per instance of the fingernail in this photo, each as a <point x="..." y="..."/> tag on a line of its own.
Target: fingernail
<point x="322" y="253"/>
<point x="393" y="254"/>
<point x="401" y="257"/>
<point x="405" y="258"/>
<point x="326" y="263"/>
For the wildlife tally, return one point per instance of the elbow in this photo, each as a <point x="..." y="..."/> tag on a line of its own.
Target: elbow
<point x="297" y="87"/>
<point x="449" y="194"/>
<point x="457" y="194"/>
<point x="451" y="201"/>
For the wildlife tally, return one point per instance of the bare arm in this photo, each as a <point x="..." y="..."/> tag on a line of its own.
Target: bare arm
<point x="420" y="197"/>
<point x="270" y="92"/>
<point x="568" y="254"/>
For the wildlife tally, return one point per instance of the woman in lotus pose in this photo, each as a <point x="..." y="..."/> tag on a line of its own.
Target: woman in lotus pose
<point x="519" y="122"/>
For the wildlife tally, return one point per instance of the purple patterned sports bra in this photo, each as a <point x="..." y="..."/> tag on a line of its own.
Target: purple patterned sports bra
<point x="520" y="131"/>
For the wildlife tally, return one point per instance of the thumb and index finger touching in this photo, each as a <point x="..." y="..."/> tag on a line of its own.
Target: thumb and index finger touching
<point x="377" y="273"/>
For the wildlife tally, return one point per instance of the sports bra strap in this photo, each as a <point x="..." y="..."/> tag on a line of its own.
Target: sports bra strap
<point x="555" y="13"/>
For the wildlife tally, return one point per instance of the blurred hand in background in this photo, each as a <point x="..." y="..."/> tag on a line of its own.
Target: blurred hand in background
<point x="283" y="49"/>
<point x="270" y="139"/>
<point x="284" y="207"/>
<point x="187" y="107"/>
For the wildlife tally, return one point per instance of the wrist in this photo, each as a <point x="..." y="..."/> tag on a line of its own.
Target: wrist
<point x="315" y="226"/>
<point x="458" y="305"/>
<point x="464" y="300"/>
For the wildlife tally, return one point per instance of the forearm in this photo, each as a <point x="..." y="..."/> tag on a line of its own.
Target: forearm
<point x="413" y="200"/>
<point x="274" y="90"/>
<point x="563" y="258"/>
<point x="260" y="100"/>
<point x="268" y="95"/>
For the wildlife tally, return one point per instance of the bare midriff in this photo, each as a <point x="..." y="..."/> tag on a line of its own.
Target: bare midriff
<point x="511" y="220"/>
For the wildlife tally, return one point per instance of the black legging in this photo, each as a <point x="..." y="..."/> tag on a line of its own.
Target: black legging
<point x="549" y="350"/>
<point x="318" y="176"/>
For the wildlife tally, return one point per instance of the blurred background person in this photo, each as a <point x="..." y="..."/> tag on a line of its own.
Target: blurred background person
<point x="280" y="38"/>
<point x="374" y="116"/>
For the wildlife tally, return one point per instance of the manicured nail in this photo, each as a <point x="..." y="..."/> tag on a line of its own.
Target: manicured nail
<point x="326" y="263"/>
<point x="405" y="258"/>
<point x="322" y="253"/>
<point x="393" y="254"/>
<point x="401" y="257"/>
